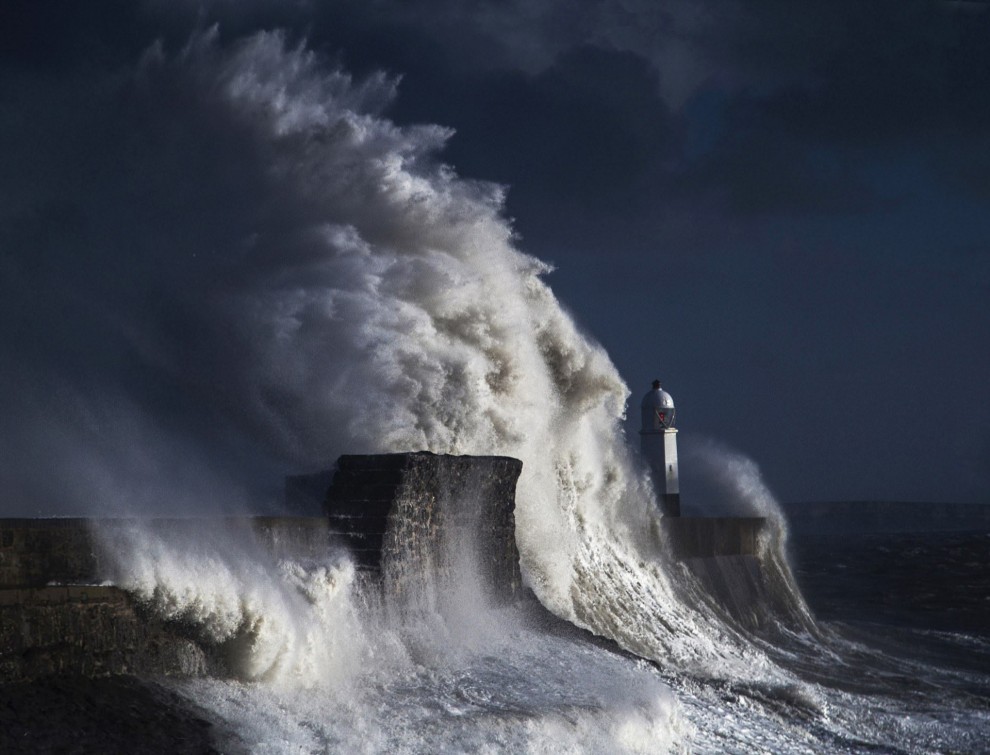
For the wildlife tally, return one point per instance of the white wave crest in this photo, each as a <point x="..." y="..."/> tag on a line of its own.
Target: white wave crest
<point x="278" y="621"/>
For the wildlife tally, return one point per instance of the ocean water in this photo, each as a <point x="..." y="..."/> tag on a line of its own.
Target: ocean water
<point x="914" y="580"/>
<point x="335" y="288"/>
<point x="323" y="664"/>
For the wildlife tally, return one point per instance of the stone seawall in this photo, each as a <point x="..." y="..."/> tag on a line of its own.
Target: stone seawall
<point x="90" y="630"/>
<point x="410" y="520"/>
<point x="35" y="552"/>
<point x="410" y="516"/>
<point x="41" y="552"/>
<point x="707" y="537"/>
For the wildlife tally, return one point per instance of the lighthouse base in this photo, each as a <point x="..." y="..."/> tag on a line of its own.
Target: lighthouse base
<point x="670" y="504"/>
<point x="660" y="451"/>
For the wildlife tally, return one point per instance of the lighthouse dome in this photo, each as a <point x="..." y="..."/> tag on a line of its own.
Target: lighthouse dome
<point x="657" y="410"/>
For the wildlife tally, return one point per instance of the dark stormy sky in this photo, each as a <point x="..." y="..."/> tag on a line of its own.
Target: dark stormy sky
<point x="780" y="209"/>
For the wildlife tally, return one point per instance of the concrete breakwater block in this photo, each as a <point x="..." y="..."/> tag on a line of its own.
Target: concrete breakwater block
<point x="416" y="515"/>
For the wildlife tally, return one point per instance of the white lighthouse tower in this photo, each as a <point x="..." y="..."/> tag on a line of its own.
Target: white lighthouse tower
<point x="658" y="442"/>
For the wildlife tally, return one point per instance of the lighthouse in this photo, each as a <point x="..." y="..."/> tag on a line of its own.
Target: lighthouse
<point x="658" y="442"/>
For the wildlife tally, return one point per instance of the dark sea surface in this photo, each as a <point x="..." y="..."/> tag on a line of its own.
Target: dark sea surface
<point x="937" y="581"/>
<point x="921" y="596"/>
<point x="110" y="715"/>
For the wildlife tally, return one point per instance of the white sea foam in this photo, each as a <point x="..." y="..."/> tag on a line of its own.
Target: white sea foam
<point x="320" y="664"/>
<point x="275" y="620"/>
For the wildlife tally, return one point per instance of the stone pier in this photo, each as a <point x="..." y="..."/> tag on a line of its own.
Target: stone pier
<point x="707" y="537"/>
<point x="408" y="520"/>
<point x="405" y="516"/>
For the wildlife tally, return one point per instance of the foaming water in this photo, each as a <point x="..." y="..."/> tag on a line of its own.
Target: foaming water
<point x="525" y="690"/>
<point x="323" y="661"/>
<point x="280" y="621"/>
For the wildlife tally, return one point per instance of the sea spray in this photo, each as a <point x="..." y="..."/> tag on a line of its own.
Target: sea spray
<point x="362" y="297"/>
<point x="726" y="482"/>
<point x="284" y="621"/>
<point x="441" y="666"/>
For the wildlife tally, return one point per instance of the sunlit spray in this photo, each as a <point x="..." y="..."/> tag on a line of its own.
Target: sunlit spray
<point x="282" y="620"/>
<point x="363" y="298"/>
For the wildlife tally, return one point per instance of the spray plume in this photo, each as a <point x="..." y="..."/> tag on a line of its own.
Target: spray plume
<point x="263" y="272"/>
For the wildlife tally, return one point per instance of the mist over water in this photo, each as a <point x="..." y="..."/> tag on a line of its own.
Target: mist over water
<point x="724" y="482"/>
<point x="252" y="271"/>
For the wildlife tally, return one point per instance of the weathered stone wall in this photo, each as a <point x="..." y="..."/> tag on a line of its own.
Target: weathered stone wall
<point x="418" y="516"/>
<point x="35" y="552"/>
<point x="401" y="514"/>
<point x="91" y="630"/>
<point x="360" y="499"/>
<point x="707" y="537"/>
<point x="409" y="519"/>
<point x="40" y="552"/>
